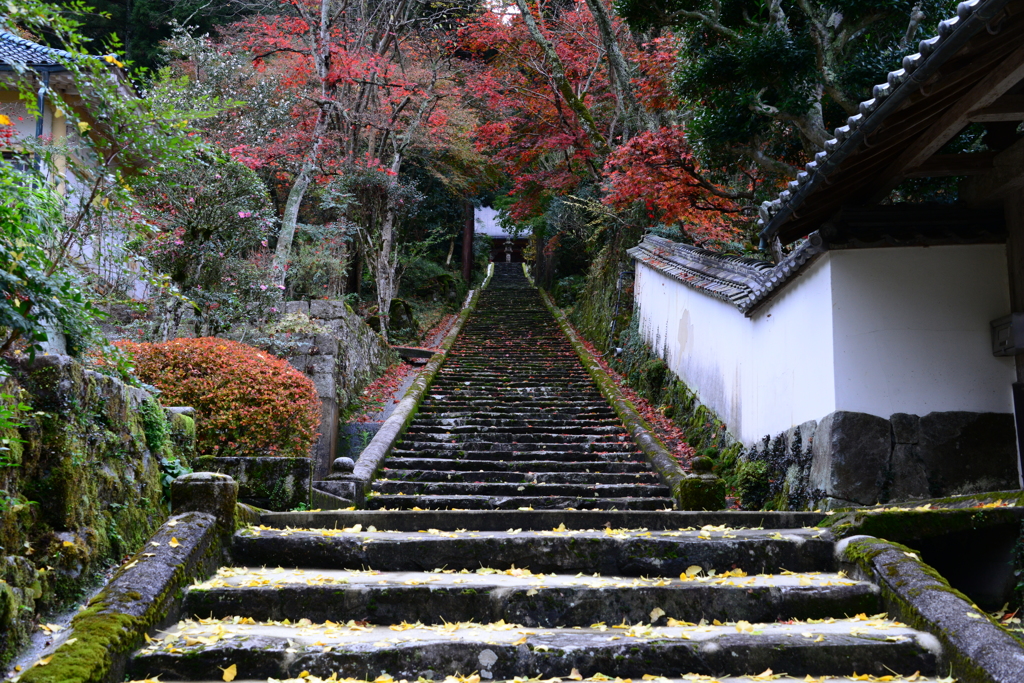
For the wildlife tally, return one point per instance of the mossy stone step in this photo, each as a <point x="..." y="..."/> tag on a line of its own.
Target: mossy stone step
<point x="522" y="597"/>
<point x="519" y="477"/>
<point x="201" y="650"/>
<point x="490" y="502"/>
<point x="409" y="461"/>
<point x="588" y="489"/>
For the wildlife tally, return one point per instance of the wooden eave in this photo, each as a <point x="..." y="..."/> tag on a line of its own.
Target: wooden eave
<point x="973" y="71"/>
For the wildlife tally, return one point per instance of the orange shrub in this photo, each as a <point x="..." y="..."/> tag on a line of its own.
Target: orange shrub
<point x="247" y="402"/>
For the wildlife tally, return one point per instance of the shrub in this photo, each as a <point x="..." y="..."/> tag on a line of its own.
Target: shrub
<point x="247" y="402"/>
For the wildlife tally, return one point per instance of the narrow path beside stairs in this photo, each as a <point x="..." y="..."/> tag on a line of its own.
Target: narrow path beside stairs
<point x="514" y="420"/>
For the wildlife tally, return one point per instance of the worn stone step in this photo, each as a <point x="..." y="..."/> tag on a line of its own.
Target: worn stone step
<point x="195" y="650"/>
<point x="424" y="474"/>
<point x="566" y="428"/>
<point x="471" y="502"/>
<point x="689" y="678"/>
<point x="548" y="520"/>
<point x="518" y="436"/>
<point x="514" y="421"/>
<point x="454" y="446"/>
<point x="435" y="411"/>
<point x="529" y="489"/>
<point x="629" y="553"/>
<point x="409" y="460"/>
<point x="522" y="597"/>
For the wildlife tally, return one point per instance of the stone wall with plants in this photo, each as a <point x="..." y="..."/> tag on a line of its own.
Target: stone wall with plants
<point x="332" y="345"/>
<point x="85" y="466"/>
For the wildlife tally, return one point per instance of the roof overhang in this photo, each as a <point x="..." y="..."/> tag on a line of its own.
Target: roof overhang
<point x="972" y="71"/>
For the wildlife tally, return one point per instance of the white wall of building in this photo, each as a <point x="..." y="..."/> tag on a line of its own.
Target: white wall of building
<point x="911" y="328"/>
<point x="754" y="373"/>
<point x="873" y="330"/>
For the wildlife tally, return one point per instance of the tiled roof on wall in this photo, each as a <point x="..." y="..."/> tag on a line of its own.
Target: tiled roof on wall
<point x="745" y="283"/>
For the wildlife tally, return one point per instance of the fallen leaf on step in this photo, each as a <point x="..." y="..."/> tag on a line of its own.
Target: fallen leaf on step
<point x="174" y="542"/>
<point x="230" y="672"/>
<point x="765" y="675"/>
<point x="657" y="613"/>
<point x="521" y="641"/>
<point x="575" y="675"/>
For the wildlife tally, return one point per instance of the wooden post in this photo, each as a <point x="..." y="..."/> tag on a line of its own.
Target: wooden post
<point x="468" y="228"/>
<point x="1014" y="208"/>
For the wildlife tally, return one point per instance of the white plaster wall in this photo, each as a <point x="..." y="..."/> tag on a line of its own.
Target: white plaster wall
<point x="759" y="375"/>
<point x="912" y="329"/>
<point x="872" y="330"/>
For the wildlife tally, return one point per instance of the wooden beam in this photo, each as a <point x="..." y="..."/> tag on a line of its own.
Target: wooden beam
<point x="994" y="85"/>
<point x="1005" y="178"/>
<point x="945" y="165"/>
<point x="1006" y="108"/>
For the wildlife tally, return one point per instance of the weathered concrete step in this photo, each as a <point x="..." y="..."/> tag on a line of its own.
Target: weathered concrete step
<point x="566" y="428"/>
<point x="201" y="650"/>
<point x="504" y="412"/>
<point x="425" y="474"/>
<point x="590" y="489"/>
<point x="546" y="520"/>
<point x="454" y="446"/>
<point x="513" y="421"/>
<point x="629" y="553"/>
<point x="408" y="460"/>
<point x="470" y="502"/>
<point x="519" y="596"/>
<point x="690" y="678"/>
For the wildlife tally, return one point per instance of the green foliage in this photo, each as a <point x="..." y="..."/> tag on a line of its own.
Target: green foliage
<point x="751" y="481"/>
<point x="34" y="294"/>
<point x="213" y="218"/>
<point x="247" y="402"/>
<point x="154" y="424"/>
<point x="769" y="81"/>
<point x="318" y="268"/>
<point x="10" y="408"/>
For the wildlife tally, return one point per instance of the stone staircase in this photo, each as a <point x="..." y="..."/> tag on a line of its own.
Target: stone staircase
<point x="375" y="596"/>
<point x="513" y="420"/>
<point x="563" y="564"/>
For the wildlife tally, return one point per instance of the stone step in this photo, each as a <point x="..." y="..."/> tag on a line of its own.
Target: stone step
<point x="507" y="448"/>
<point x="519" y="596"/>
<point x="519" y="427"/>
<point x="601" y="678"/>
<point x="426" y="474"/>
<point x="519" y="436"/>
<point x="526" y="490"/>
<point x="408" y="460"/>
<point x="548" y="520"/>
<point x="469" y="502"/>
<point x="514" y="421"/>
<point x="502" y="412"/>
<point x="195" y="650"/>
<point x="611" y="551"/>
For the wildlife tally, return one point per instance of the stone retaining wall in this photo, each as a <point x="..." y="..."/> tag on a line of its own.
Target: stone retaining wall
<point x="80" y="483"/>
<point x="341" y="362"/>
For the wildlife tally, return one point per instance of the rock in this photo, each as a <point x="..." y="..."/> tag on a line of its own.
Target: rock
<point x="905" y="427"/>
<point x="966" y="452"/>
<point x="851" y="454"/>
<point x="343" y="465"/>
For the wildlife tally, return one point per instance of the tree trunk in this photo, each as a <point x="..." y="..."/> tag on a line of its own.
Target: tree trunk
<point x="283" y="251"/>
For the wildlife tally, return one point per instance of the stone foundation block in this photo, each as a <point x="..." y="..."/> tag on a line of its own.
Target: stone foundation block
<point x="266" y="482"/>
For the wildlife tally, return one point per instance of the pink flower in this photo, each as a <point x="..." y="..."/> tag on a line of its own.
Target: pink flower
<point x="263" y="288"/>
<point x="244" y="214"/>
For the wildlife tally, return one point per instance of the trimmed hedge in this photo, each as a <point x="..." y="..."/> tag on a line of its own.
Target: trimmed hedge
<point x="247" y="402"/>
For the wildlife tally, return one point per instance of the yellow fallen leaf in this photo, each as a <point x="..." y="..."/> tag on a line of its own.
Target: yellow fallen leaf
<point x="68" y="544"/>
<point x="575" y="675"/>
<point x="693" y="570"/>
<point x="765" y="675"/>
<point x="230" y="672"/>
<point x="173" y="522"/>
<point x="5" y="121"/>
<point x="744" y="626"/>
<point x="174" y="542"/>
<point x="657" y="613"/>
<point x="521" y="641"/>
<point x="44" y="661"/>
